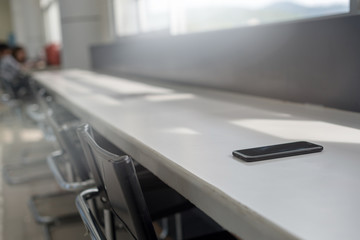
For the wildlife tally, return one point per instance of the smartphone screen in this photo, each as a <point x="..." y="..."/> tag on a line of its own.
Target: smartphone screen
<point x="277" y="151"/>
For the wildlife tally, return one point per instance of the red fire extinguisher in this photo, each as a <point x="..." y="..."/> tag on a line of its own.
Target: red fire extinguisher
<point x="52" y="54"/>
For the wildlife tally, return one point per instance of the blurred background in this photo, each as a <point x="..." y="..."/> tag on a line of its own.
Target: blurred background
<point x="44" y="27"/>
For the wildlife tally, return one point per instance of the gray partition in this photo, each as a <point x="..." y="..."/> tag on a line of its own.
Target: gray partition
<point x="314" y="61"/>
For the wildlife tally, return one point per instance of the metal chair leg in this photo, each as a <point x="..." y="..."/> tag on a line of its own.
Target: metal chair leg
<point x="165" y="228"/>
<point x="109" y="225"/>
<point x="48" y="221"/>
<point x="178" y="226"/>
<point x="47" y="233"/>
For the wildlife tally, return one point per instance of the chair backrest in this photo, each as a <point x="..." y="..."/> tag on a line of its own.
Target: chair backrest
<point x="70" y="143"/>
<point x="43" y="99"/>
<point x="34" y="87"/>
<point x="85" y="134"/>
<point x="63" y="125"/>
<point x="119" y="184"/>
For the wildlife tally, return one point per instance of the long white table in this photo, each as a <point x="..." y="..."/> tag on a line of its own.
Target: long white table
<point x="186" y="136"/>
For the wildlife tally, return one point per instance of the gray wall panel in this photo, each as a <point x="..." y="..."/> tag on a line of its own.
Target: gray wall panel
<point x="312" y="61"/>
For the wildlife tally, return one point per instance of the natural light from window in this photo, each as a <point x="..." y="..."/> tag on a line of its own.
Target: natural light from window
<point x="203" y="15"/>
<point x="302" y="130"/>
<point x="187" y="16"/>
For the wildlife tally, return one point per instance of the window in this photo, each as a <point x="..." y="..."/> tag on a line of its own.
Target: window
<point x="126" y="17"/>
<point x="187" y="16"/>
<point x="204" y="15"/>
<point x="154" y="15"/>
<point x="138" y="16"/>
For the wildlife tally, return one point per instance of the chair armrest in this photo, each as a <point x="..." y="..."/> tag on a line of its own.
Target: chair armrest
<point x="87" y="216"/>
<point x="34" y="113"/>
<point x="69" y="186"/>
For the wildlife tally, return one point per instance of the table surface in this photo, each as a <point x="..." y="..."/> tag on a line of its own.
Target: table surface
<point x="185" y="135"/>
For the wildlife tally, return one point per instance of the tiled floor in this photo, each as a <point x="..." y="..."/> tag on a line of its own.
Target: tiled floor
<point x="19" y="139"/>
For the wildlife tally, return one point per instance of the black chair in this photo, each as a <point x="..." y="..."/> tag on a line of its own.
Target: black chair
<point x="18" y="87"/>
<point x="7" y="88"/>
<point x="63" y="164"/>
<point x="23" y="171"/>
<point x="120" y="190"/>
<point x="71" y="155"/>
<point x="163" y="200"/>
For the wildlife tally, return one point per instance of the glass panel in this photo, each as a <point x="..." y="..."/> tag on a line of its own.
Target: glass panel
<point x="136" y="16"/>
<point x="154" y="15"/>
<point x="205" y="15"/>
<point x="186" y="16"/>
<point x="126" y="16"/>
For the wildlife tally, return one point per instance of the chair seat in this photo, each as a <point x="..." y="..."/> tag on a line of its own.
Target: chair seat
<point x="223" y="235"/>
<point x="160" y="198"/>
<point x="52" y="207"/>
<point x="165" y="202"/>
<point x="148" y="181"/>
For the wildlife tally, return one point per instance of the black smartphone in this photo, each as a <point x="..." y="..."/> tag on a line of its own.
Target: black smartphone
<point x="277" y="151"/>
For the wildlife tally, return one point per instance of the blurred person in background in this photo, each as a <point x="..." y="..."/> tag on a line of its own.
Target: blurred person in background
<point x="4" y="49"/>
<point x="19" y="55"/>
<point x="13" y="71"/>
<point x="4" y="52"/>
<point x="9" y="67"/>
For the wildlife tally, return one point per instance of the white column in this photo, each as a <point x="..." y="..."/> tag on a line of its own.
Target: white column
<point x="83" y="23"/>
<point x="5" y="19"/>
<point x="28" y="26"/>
